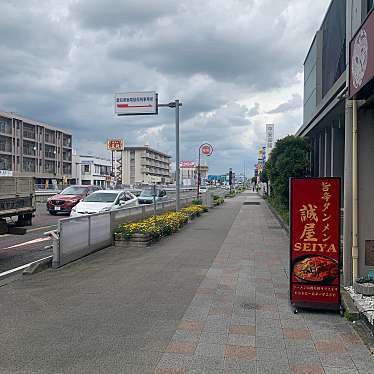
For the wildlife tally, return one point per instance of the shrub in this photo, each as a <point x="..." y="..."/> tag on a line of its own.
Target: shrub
<point x="289" y="158"/>
<point x="158" y="226"/>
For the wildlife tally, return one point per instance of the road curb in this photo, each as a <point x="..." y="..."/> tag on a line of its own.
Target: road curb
<point x="36" y="266"/>
<point x="350" y="310"/>
<point x="278" y="217"/>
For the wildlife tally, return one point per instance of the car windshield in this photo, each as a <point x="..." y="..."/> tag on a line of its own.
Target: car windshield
<point x="136" y="193"/>
<point x="74" y="190"/>
<point x="146" y="193"/>
<point x="100" y="197"/>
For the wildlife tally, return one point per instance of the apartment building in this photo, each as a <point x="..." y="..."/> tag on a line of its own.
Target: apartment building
<point x="145" y="165"/>
<point x="92" y="170"/>
<point x="36" y="149"/>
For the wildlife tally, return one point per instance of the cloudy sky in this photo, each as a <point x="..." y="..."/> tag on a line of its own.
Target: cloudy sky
<point x="235" y="64"/>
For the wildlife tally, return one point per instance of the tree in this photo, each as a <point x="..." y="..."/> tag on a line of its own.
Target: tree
<point x="289" y="158"/>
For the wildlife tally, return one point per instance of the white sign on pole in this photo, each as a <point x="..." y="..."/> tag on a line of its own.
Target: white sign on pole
<point x="269" y="138"/>
<point x="135" y="103"/>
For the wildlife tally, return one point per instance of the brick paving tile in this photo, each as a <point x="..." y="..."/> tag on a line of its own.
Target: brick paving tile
<point x="350" y="338"/>
<point x="263" y="367"/>
<point x="307" y="369"/>
<point x="225" y="312"/>
<point x="329" y="347"/>
<point x="206" y="291"/>
<point x="191" y="326"/>
<point x="181" y="347"/>
<point x="237" y="351"/>
<point x="302" y="334"/>
<point x="242" y="340"/>
<point x="210" y="350"/>
<point x="334" y="370"/>
<point x="170" y="371"/>
<point x="242" y="329"/>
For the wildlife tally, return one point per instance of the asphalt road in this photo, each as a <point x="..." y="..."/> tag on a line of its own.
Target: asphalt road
<point x="17" y="250"/>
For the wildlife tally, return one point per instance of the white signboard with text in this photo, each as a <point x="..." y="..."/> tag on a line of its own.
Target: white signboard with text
<point x="269" y="138"/>
<point x="6" y="173"/>
<point x="135" y="103"/>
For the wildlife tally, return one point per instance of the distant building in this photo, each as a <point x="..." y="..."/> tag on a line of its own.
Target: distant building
<point x="92" y="170"/>
<point x="189" y="173"/>
<point x="33" y="148"/>
<point x="145" y="165"/>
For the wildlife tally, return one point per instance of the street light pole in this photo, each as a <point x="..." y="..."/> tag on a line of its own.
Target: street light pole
<point x="177" y="179"/>
<point x="198" y="175"/>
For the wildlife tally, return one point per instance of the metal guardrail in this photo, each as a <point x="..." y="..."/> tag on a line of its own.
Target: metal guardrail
<point x="77" y="237"/>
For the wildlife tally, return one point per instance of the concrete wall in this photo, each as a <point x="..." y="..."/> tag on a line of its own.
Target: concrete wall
<point x="366" y="183"/>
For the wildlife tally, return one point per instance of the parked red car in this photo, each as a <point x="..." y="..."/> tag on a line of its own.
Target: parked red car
<point x="67" y="199"/>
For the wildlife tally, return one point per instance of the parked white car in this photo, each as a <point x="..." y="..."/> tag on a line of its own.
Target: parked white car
<point x="104" y="201"/>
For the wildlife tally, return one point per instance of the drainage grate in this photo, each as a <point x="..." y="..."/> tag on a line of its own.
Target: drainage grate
<point x="251" y="203"/>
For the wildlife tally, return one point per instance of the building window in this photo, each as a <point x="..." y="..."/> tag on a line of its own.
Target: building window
<point x="86" y="168"/>
<point x="66" y="168"/>
<point x="29" y="164"/>
<point x="333" y="45"/>
<point x="66" y="155"/>
<point x="28" y="131"/>
<point x="49" y="151"/>
<point x="5" y="144"/>
<point x="50" y="136"/>
<point x="29" y="148"/>
<point x="66" y="140"/>
<point x="370" y="4"/>
<point x="49" y="166"/>
<point x="5" y="162"/>
<point x="5" y="126"/>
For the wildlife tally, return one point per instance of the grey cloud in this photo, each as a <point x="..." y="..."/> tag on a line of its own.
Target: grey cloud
<point x="255" y="110"/>
<point x="63" y="65"/>
<point x="294" y="103"/>
<point x="112" y="14"/>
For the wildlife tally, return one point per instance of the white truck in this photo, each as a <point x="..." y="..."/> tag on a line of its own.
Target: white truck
<point x="17" y="201"/>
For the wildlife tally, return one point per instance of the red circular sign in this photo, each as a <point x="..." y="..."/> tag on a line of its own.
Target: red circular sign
<point x="206" y="149"/>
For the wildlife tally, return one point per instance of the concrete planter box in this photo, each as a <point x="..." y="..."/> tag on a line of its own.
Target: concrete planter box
<point x="137" y="240"/>
<point x="366" y="289"/>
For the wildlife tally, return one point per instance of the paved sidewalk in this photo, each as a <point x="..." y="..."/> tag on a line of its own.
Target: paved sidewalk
<point x="240" y="320"/>
<point x="211" y="299"/>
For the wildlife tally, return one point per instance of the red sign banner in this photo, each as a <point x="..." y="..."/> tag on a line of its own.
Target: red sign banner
<point x="115" y="144"/>
<point x="315" y="242"/>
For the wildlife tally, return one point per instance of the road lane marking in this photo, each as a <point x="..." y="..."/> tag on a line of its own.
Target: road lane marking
<point x="39" y="228"/>
<point x="38" y="240"/>
<point x="11" y="271"/>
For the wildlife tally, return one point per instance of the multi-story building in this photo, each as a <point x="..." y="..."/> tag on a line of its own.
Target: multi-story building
<point x="145" y="165"/>
<point x="92" y="170"/>
<point x="329" y="116"/>
<point x="36" y="149"/>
